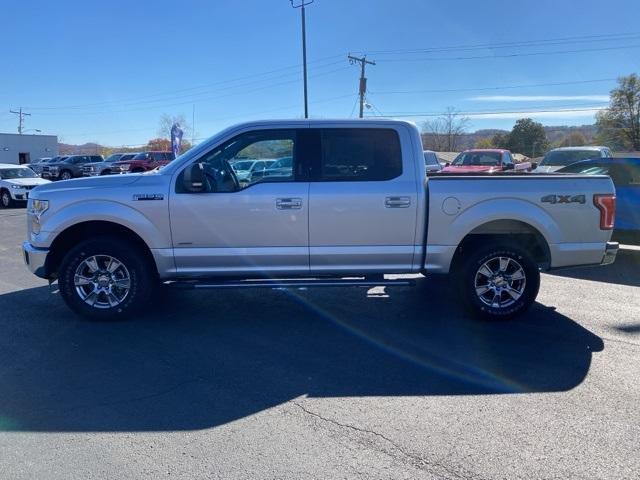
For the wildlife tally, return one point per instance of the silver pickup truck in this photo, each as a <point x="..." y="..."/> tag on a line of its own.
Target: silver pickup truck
<point x="354" y="205"/>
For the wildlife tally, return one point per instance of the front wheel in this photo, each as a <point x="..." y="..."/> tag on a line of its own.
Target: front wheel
<point x="499" y="282"/>
<point x="5" y="199"/>
<point x="66" y="175"/>
<point x="106" y="279"/>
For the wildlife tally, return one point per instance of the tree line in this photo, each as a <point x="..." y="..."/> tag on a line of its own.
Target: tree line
<point x="617" y="127"/>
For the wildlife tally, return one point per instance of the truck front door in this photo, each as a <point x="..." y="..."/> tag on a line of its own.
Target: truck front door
<point x="259" y="227"/>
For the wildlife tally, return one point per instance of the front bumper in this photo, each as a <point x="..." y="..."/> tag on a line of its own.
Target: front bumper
<point x="610" y="253"/>
<point x="35" y="258"/>
<point x="19" y="194"/>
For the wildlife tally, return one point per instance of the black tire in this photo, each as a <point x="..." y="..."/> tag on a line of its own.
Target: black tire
<point x="5" y="199"/>
<point x="137" y="170"/>
<point x="498" y="301"/>
<point x="66" y="175"/>
<point x="142" y="275"/>
<point x="105" y="172"/>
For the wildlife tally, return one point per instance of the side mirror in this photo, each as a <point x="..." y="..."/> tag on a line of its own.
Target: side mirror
<point x="509" y="166"/>
<point x="194" y="179"/>
<point x="448" y="164"/>
<point x="534" y="165"/>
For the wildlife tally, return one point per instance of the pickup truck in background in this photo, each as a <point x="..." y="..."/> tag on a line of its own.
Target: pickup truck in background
<point x="142" y="162"/>
<point x="68" y="167"/>
<point x="355" y="204"/>
<point x="482" y="160"/>
<point x="106" y="167"/>
<point x="558" y="158"/>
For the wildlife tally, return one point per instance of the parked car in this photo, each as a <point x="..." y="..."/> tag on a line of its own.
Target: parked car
<point x="280" y="168"/>
<point x="481" y="160"/>
<point x="37" y="166"/>
<point x="431" y="162"/>
<point x="625" y="173"/>
<point x="38" y="161"/>
<point x="16" y="181"/>
<point x="69" y="167"/>
<point x="105" y="168"/>
<point x="356" y="205"/>
<point x="248" y="171"/>
<point x="561" y="157"/>
<point x="142" y="162"/>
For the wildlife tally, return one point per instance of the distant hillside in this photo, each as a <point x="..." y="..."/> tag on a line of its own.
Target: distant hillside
<point x="555" y="134"/>
<point x="84" y="149"/>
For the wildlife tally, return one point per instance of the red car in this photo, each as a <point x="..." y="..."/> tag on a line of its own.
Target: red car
<point x="142" y="162"/>
<point x="484" y="160"/>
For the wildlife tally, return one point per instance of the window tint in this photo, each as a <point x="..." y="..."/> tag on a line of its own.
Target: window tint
<point x="354" y="154"/>
<point x="506" y="159"/>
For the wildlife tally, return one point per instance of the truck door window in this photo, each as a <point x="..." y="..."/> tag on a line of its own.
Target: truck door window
<point x="221" y="165"/>
<point x="359" y="155"/>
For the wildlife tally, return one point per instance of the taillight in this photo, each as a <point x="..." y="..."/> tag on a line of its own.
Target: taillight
<point x="606" y="203"/>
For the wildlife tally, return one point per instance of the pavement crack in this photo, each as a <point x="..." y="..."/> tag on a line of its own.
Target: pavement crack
<point x="415" y="459"/>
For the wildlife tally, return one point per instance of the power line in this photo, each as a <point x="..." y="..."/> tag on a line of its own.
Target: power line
<point x="512" y="55"/>
<point x="524" y="43"/>
<point x="191" y="100"/>
<point x="501" y="87"/>
<point x="171" y="93"/>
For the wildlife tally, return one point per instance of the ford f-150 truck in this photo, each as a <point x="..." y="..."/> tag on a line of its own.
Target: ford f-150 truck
<point x="355" y="205"/>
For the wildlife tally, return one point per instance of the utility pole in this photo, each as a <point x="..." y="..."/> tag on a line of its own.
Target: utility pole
<point x="363" y="80"/>
<point x="301" y="6"/>
<point x="21" y="116"/>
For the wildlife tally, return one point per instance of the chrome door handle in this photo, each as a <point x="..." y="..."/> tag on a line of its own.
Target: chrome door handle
<point x="397" y="202"/>
<point x="288" y="203"/>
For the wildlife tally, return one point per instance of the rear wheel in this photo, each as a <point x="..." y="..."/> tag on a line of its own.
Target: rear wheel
<point x="5" y="199"/>
<point x="106" y="279"/>
<point x="499" y="282"/>
<point x="66" y="175"/>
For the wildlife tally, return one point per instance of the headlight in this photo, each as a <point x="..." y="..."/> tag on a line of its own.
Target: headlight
<point x="17" y="186"/>
<point x="37" y="207"/>
<point x="54" y="169"/>
<point x="125" y="167"/>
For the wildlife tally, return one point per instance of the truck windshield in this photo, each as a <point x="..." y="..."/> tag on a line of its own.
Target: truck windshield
<point x="114" y="157"/>
<point x="484" y="159"/>
<point x="560" y="158"/>
<point x="11" y="173"/>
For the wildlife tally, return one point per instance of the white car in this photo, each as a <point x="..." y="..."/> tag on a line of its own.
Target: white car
<point x="15" y="183"/>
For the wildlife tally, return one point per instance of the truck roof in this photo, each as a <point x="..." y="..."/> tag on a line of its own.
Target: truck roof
<point x="499" y="150"/>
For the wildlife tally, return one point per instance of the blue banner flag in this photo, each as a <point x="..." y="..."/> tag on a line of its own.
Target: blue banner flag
<point x="176" y="139"/>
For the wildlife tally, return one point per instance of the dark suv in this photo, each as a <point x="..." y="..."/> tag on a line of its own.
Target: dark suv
<point x="142" y="162"/>
<point x="69" y="167"/>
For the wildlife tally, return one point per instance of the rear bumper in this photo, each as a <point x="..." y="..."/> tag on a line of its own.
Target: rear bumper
<point x="35" y="259"/>
<point x="610" y="253"/>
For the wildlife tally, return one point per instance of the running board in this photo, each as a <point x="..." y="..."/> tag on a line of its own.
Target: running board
<point x="292" y="283"/>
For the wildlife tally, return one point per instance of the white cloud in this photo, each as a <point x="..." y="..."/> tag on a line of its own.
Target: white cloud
<point x="554" y="114"/>
<point x="538" y="98"/>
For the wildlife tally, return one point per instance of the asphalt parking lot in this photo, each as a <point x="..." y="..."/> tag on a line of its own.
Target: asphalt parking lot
<point x="328" y="383"/>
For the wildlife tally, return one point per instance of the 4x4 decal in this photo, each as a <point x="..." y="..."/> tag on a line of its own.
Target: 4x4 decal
<point x="553" y="199"/>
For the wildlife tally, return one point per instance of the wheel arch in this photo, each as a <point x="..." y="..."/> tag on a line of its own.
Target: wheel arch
<point x="78" y="232"/>
<point x="516" y="232"/>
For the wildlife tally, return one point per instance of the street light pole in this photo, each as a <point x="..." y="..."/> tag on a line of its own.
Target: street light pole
<point x="301" y="6"/>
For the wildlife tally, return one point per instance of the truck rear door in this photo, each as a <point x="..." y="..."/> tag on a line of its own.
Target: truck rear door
<point x="362" y="201"/>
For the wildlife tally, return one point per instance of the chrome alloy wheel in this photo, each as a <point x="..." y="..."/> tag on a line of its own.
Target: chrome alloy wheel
<point x="102" y="281"/>
<point x="500" y="282"/>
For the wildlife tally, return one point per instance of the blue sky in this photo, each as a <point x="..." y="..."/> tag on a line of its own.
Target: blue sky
<point x="107" y="71"/>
